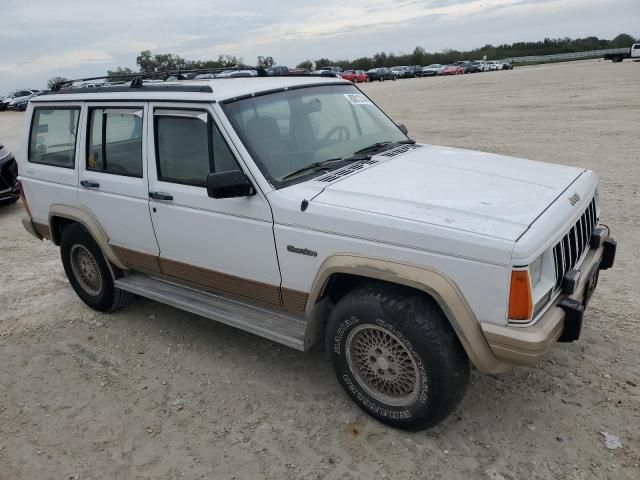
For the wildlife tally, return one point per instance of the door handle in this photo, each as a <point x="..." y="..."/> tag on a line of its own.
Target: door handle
<point x="89" y="184"/>
<point x="160" y="196"/>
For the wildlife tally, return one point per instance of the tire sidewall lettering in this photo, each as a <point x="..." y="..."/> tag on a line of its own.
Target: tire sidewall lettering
<point x="376" y="408"/>
<point x="344" y="327"/>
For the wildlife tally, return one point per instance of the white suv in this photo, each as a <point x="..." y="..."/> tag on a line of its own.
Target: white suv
<point x="294" y="208"/>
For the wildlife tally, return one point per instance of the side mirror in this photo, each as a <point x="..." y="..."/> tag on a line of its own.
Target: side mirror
<point x="229" y="185"/>
<point x="403" y="128"/>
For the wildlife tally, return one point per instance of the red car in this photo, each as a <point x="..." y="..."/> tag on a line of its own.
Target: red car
<point x="453" y="70"/>
<point x="355" y="76"/>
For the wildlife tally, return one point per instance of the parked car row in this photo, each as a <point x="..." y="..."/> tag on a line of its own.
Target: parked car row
<point x="412" y="71"/>
<point x="18" y="99"/>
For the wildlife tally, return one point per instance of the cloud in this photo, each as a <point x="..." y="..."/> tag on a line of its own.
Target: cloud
<point x="41" y="38"/>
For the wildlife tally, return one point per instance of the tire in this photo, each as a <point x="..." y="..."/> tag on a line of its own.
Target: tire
<point x="88" y="271"/>
<point x="382" y="78"/>
<point x="377" y="326"/>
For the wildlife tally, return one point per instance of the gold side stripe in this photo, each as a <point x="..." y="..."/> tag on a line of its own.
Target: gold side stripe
<point x="291" y="300"/>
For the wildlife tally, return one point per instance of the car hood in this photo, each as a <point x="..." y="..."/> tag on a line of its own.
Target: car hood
<point x="477" y="192"/>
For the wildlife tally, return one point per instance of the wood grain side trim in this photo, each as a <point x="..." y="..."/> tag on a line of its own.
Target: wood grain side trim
<point x="294" y="301"/>
<point x="134" y="259"/>
<point x="43" y="230"/>
<point x="262" y="292"/>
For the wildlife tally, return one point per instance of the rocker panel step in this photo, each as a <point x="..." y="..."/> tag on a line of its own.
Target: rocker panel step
<point x="277" y="326"/>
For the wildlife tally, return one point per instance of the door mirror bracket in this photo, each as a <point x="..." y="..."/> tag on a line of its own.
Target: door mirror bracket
<point x="229" y="185"/>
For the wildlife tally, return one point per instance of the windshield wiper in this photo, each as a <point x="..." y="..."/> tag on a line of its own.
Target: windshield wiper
<point x="379" y="145"/>
<point x="315" y="166"/>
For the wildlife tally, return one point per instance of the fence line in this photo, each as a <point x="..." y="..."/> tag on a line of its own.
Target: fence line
<point x="565" y="56"/>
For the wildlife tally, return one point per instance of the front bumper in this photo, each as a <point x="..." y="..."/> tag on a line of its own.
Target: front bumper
<point x="561" y="322"/>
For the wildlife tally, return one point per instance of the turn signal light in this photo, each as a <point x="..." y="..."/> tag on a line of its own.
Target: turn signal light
<point x="520" y="297"/>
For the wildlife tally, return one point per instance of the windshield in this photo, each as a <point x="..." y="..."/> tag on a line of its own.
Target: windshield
<point x="288" y="131"/>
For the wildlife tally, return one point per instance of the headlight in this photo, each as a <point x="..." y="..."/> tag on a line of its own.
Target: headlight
<point x="535" y="271"/>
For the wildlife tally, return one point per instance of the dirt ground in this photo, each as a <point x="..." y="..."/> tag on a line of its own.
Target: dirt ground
<point x="156" y="393"/>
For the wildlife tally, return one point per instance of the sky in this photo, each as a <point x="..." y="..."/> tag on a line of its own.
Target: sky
<point x="40" y="39"/>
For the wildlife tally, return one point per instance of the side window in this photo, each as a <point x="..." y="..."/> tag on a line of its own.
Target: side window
<point x="53" y="135"/>
<point x="189" y="146"/>
<point x="115" y="141"/>
<point x="182" y="147"/>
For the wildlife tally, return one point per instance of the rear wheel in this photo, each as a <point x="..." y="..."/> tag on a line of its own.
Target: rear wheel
<point x="396" y="355"/>
<point x="88" y="271"/>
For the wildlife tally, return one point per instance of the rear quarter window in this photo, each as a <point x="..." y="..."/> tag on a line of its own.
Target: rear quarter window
<point x="52" y="140"/>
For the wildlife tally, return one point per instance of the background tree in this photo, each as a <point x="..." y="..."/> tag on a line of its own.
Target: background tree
<point x="323" y="62"/>
<point x="622" y="40"/>
<point x="265" y="62"/>
<point x="52" y="81"/>
<point x="121" y="74"/>
<point x="307" y="64"/>
<point x="228" y="61"/>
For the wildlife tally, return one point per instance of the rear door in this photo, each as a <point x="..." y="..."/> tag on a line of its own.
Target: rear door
<point x="48" y="169"/>
<point x="226" y="245"/>
<point x="113" y="181"/>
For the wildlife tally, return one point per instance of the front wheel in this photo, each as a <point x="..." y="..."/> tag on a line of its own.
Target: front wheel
<point x="88" y="271"/>
<point x="397" y="356"/>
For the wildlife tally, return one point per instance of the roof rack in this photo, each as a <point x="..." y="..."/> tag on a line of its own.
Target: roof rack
<point x="139" y="77"/>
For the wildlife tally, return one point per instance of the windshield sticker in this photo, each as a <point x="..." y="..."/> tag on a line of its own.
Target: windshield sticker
<point x="357" y="99"/>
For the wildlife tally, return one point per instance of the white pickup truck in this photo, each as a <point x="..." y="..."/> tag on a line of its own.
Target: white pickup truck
<point x="294" y="208"/>
<point x="633" y="52"/>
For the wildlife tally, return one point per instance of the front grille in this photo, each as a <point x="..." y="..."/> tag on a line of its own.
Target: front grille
<point x="572" y="246"/>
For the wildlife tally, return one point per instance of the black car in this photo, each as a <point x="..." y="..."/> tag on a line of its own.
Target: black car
<point x="413" y="71"/>
<point x="470" y="67"/>
<point x="381" y="74"/>
<point x="9" y="191"/>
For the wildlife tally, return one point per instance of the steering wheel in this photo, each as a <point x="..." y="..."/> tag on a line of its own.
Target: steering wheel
<point x="341" y="130"/>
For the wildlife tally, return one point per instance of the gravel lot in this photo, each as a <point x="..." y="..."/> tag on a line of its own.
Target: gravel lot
<point x="153" y="392"/>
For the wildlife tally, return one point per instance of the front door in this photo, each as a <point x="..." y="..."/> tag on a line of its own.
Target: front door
<point x="225" y="245"/>
<point x="113" y="180"/>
